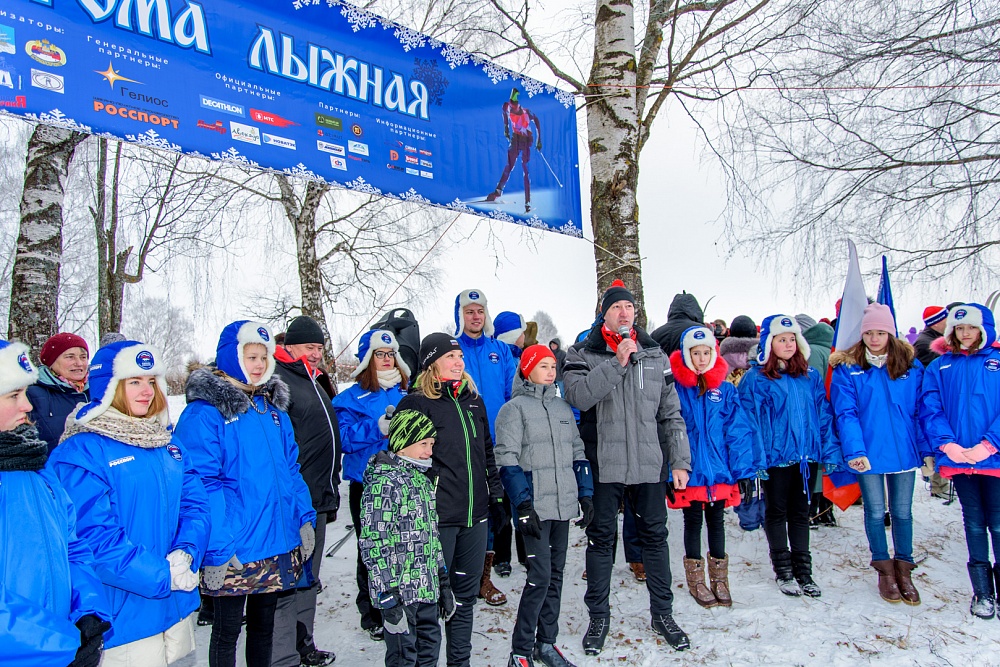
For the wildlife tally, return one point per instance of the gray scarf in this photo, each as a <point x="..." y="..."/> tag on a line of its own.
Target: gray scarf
<point x="21" y="450"/>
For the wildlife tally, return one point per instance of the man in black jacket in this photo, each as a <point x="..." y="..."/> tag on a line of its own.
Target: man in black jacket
<point x="318" y="437"/>
<point x="683" y="314"/>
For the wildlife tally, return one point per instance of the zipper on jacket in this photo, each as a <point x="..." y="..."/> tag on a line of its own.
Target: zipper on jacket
<point x="333" y="436"/>
<point x="468" y="453"/>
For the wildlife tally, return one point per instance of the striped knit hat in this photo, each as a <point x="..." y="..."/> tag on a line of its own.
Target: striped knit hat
<point x="408" y="427"/>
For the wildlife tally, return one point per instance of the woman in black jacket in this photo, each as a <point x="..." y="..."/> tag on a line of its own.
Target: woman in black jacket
<point x="468" y="488"/>
<point x="62" y="385"/>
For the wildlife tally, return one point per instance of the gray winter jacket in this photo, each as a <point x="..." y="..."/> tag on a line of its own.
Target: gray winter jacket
<point x="536" y="430"/>
<point x="632" y="414"/>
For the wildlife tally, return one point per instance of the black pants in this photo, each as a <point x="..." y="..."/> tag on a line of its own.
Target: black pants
<point x="714" y="516"/>
<point x="370" y="616"/>
<point x="786" y="517"/>
<point x="501" y="541"/>
<point x="421" y="645"/>
<point x="226" y="629"/>
<point x="464" y="552"/>
<point x="650" y="506"/>
<point x="538" y="611"/>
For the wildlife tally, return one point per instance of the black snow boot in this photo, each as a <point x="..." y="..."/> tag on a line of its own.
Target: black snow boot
<point x="597" y="633"/>
<point x="781" y="561"/>
<point x="550" y="656"/>
<point x="983" y="600"/>
<point x="663" y="624"/>
<point x="516" y="660"/>
<point x="802" y="569"/>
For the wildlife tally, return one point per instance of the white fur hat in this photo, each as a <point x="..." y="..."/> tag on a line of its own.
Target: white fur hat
<point x="465" y="298"/>
<point x="377" y="340"/>
<point x="973" y="314"/>
<point x="16" y="370"/>
<point x="775" y="325"/>
<point x="236" y="336"/>
<point x="693" y="337"/>
<point x="114" y="363"/>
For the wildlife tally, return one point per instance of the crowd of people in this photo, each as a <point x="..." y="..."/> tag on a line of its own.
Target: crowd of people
<point x="457" y="448"/>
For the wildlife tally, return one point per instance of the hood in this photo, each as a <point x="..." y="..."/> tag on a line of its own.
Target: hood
<point x="738" y="351"/>
<point x="840" y="357"/>
<point x="715" y="375"/>
<point x="229" y="400"/>
<point x="542" y="392"/>
<point x="685" y="307"/>
<point x="236" y="336"/>
<point x="819" y="335"/>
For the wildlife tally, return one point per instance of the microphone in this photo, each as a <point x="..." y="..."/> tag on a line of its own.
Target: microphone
<point x="389" y="409"/>
<point x="623" y="331"/>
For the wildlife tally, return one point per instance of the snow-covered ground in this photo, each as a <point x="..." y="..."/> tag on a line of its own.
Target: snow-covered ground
<point x="848" y="625"/>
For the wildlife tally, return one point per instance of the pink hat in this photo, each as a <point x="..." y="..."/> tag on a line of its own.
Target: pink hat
<point x="878" y="317"/>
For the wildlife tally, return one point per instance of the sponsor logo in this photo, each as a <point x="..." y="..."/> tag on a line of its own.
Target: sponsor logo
<point x="714" y="395"/>
<point x="394" y="167"/>
<point x="387" y="339"/>
<point x="357" y="147"/>
<point x="327" y="147"/>
<point x="47" y="81"/>
<point x="358" y="159"/>
<point x="426" y="163"/>
<point x="118" y="462"/>
<point x="174" y="451"/>
<point x="329" y="122"/>
<point x="356" y="130"/>
<point x="269" y="118"/>
<point x="410" y="149"/>
<point x="45" y="52"/>
<point x="992" y="365"/>
<point x="786" y="322"/>
<point x="961" y="313"/>
<point x="96" y="367"/>
<point x="245" y="133"/>
<point x="217" y="126"/>
<point x="699" y="335"/>
<point x="494" y="358"/>
<point x="264" y="335"/>
<point x="144" y="360"/>
<point x="412" y="159"/>
<point x="393" y="155"/>
<point x="280" y="142"/>
<point x="473" y="296"/>
<point x="134" y="113"/>
<point x="412" y="172"/>
<point x="112" y="76"/>
<point x="22" y="360"/>
<point x="426" y="174"/>
<point x="19" y="102"/>
<point x="425" y="152"/>
<point x="338" y="163"/>
<point x="225" y="107"/>
<point x="6" y="77"/>
<point x="275" y="418"/>
<point x="7" y="40"/>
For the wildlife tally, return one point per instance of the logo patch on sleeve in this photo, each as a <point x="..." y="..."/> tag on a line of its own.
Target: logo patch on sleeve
<point x="174" y="451"/>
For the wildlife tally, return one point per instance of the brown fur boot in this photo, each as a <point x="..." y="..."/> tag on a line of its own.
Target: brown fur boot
<point x="907" y="590"/>
<point x="492" y="595"/>
<point x="887" y="586"/>
<point x="694" y="570"/>
<point x="718" y="575"/>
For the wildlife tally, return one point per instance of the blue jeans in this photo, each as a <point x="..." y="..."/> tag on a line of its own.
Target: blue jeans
<point x="900" y="486"/>
<point x="980" y="498"/>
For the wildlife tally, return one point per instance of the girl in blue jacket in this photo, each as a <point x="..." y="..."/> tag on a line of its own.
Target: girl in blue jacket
<point x="382" y="377"/>
<point x="142" y="509"/>
<point x="875" y="392"/>
<point x="960" y="412"/>
<point x="786" y="403"/>
<point x="722" y="459"/>
<point x="52" y="607"/>
<point x="241" y="444"/>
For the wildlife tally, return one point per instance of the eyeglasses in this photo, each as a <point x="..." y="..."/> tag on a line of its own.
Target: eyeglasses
<point x="385" y="355"/>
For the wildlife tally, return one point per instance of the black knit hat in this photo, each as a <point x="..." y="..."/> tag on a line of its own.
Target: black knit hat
<point x="304" y="329"/>
<point x="435" y="346"/>
<point x="617" y="292"/>
<point x="408" y="427"/>
<point x="743" y="327"/>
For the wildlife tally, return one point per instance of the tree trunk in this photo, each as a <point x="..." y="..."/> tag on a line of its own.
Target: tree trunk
<point x="613" y="122"/>
<point x="35" y="287"/>
<point x="110" y="263"/>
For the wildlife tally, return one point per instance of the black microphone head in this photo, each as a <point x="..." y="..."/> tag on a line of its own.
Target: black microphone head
<point x="623" y="331"/>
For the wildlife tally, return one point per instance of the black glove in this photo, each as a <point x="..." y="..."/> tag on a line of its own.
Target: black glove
<point x="498" y="515"/>
<point x="446" y="601"/>
<point x="506" y="133"/>
<point x="527" y="520"/>
<point x="670" y="492"/>
<point x="747" y="489"/>
<point x="92" y="631"/>
<point x="586" y="511"/>
<point x="393" y="617"/>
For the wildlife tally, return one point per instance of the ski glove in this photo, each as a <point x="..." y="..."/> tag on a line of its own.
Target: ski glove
<point x="586" y="511"/>
<point x="446" y="601"/>
<point x="748" y="488"/>
<point x="215" y="575"/>
<point x="383" y="425"/>
<point x="498" y="515"/>
<point x="393" y="617"/>
<point x="860" y="464"/>
<point x="308" y="535"/>
<point x="954" y="452"/>
<point x="527" y="520"/>
<point x="980" y="452"/>
<point x="181" y="576"/>
<point x="92" y="631"/>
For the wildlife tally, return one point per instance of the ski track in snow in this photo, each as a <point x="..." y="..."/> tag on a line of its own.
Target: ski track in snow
<point x="848" y="625"/>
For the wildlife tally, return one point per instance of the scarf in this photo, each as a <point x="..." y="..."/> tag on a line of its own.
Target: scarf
<point x="46" y="376"/>
<point x="614" y="339"/>
<point x="420" y="464"/>
<point x="876" y="360"/>
<point x="143" y="432"/>
<point x="390" y="378"/>
<point x="21" y="450"/>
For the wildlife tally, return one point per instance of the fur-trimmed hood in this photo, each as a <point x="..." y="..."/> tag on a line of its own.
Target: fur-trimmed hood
<point x="224" y="396"/>
<point x="841" y="357"/>
<point x="939" y="346"/>
<point x="714" y="376"/>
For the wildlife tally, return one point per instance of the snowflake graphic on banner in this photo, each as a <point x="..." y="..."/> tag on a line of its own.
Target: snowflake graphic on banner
<point x="414" y="196"/>
<point x="569" y="230"/>
<point x="532" y="86"/>
<point x="566" y="98"/>
<point x="152" y="139"/>
<point x="459" y="205"/>
<point x="496" y="72"/>
<point x="301" y="171"/>
<point x="361" y="185"/>
<point x="234" y="156"/>
<point x="454" y="55"/>
<point x="410" y="39"/>
<point x="435" y="80"/>
<point x="358" y="18"/>
<point x="57" y="117"/>
<point x="502" y="216"/>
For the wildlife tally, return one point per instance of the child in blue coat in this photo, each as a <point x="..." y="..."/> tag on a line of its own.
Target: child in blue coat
<point x="960" y="412"/>
<point x="875" y="390"/>
<point x="786" y="403"/>
<point x="722" y="459"/>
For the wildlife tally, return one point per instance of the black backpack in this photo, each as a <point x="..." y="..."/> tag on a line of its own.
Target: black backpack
<point x="404" y="326"/>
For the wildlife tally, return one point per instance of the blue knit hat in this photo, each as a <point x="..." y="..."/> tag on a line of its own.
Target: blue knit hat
<point x="775" y="325"/>
<point x="508" y="327"/>
<point x="16" y="370"/>
<point x="229" y="353"/>
<point x="977" y="315"/>
<point x="377" y="340"/>
<point x="114" y="363"/>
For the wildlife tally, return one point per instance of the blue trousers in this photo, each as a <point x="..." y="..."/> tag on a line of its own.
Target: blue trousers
<point x="873" y="492"/>
<point x="980" y="498"/>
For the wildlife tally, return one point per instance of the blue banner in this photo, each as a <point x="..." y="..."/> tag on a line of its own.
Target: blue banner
<point x="321" y="90"/>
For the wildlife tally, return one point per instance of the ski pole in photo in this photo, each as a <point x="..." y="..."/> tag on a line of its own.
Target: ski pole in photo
<point x="552" y="171"/>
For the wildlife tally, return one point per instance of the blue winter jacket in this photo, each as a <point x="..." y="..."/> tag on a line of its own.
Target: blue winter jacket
<point x="248" y="461"/>
<point x="490" y="364"/>
<point x="358" y="412"/>
<point x="135" y="506"/>
<point x="878" y="417"/>
<point x="47" y="580"/>
<point x="791" y="419"/>
<point x="961" y="404"/>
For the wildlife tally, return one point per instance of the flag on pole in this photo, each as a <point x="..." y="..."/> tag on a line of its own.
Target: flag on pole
<point x="885" y="292"/>
<point x="852" y="305"/>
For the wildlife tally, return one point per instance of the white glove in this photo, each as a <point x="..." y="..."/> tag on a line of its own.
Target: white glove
<point x="181" y="576"/>
<point x="308" y="535"/>
<point x="383" y="425"/>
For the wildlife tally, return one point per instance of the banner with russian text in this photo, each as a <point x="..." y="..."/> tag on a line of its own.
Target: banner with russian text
<point x="320" y="90"/>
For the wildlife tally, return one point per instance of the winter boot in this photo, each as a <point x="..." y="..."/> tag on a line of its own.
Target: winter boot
<point x="206" y="614"/>
<point x="550" y="656"/>
<point x="516" y="660"/>
<point x="887" y="586"/>
<point x="907" y="590"/>
<point x="638" y="571"/>
<point x="802" y="569"/>
<point x="597" y="633"/>
<point x="493" y="195"/>
<point x="317" y="658"/>
<point x="694" y="570"/>
<point x="503" y="570"/>
<point x="983" y="602"/>
<point x="490" y="594"/>
<point x="664" y="625"/>
<point x="781" y="561"/>
<point x="718" y="575"/>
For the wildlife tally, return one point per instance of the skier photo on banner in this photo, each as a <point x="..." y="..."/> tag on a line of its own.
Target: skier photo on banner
<point x="517" y="128"/>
